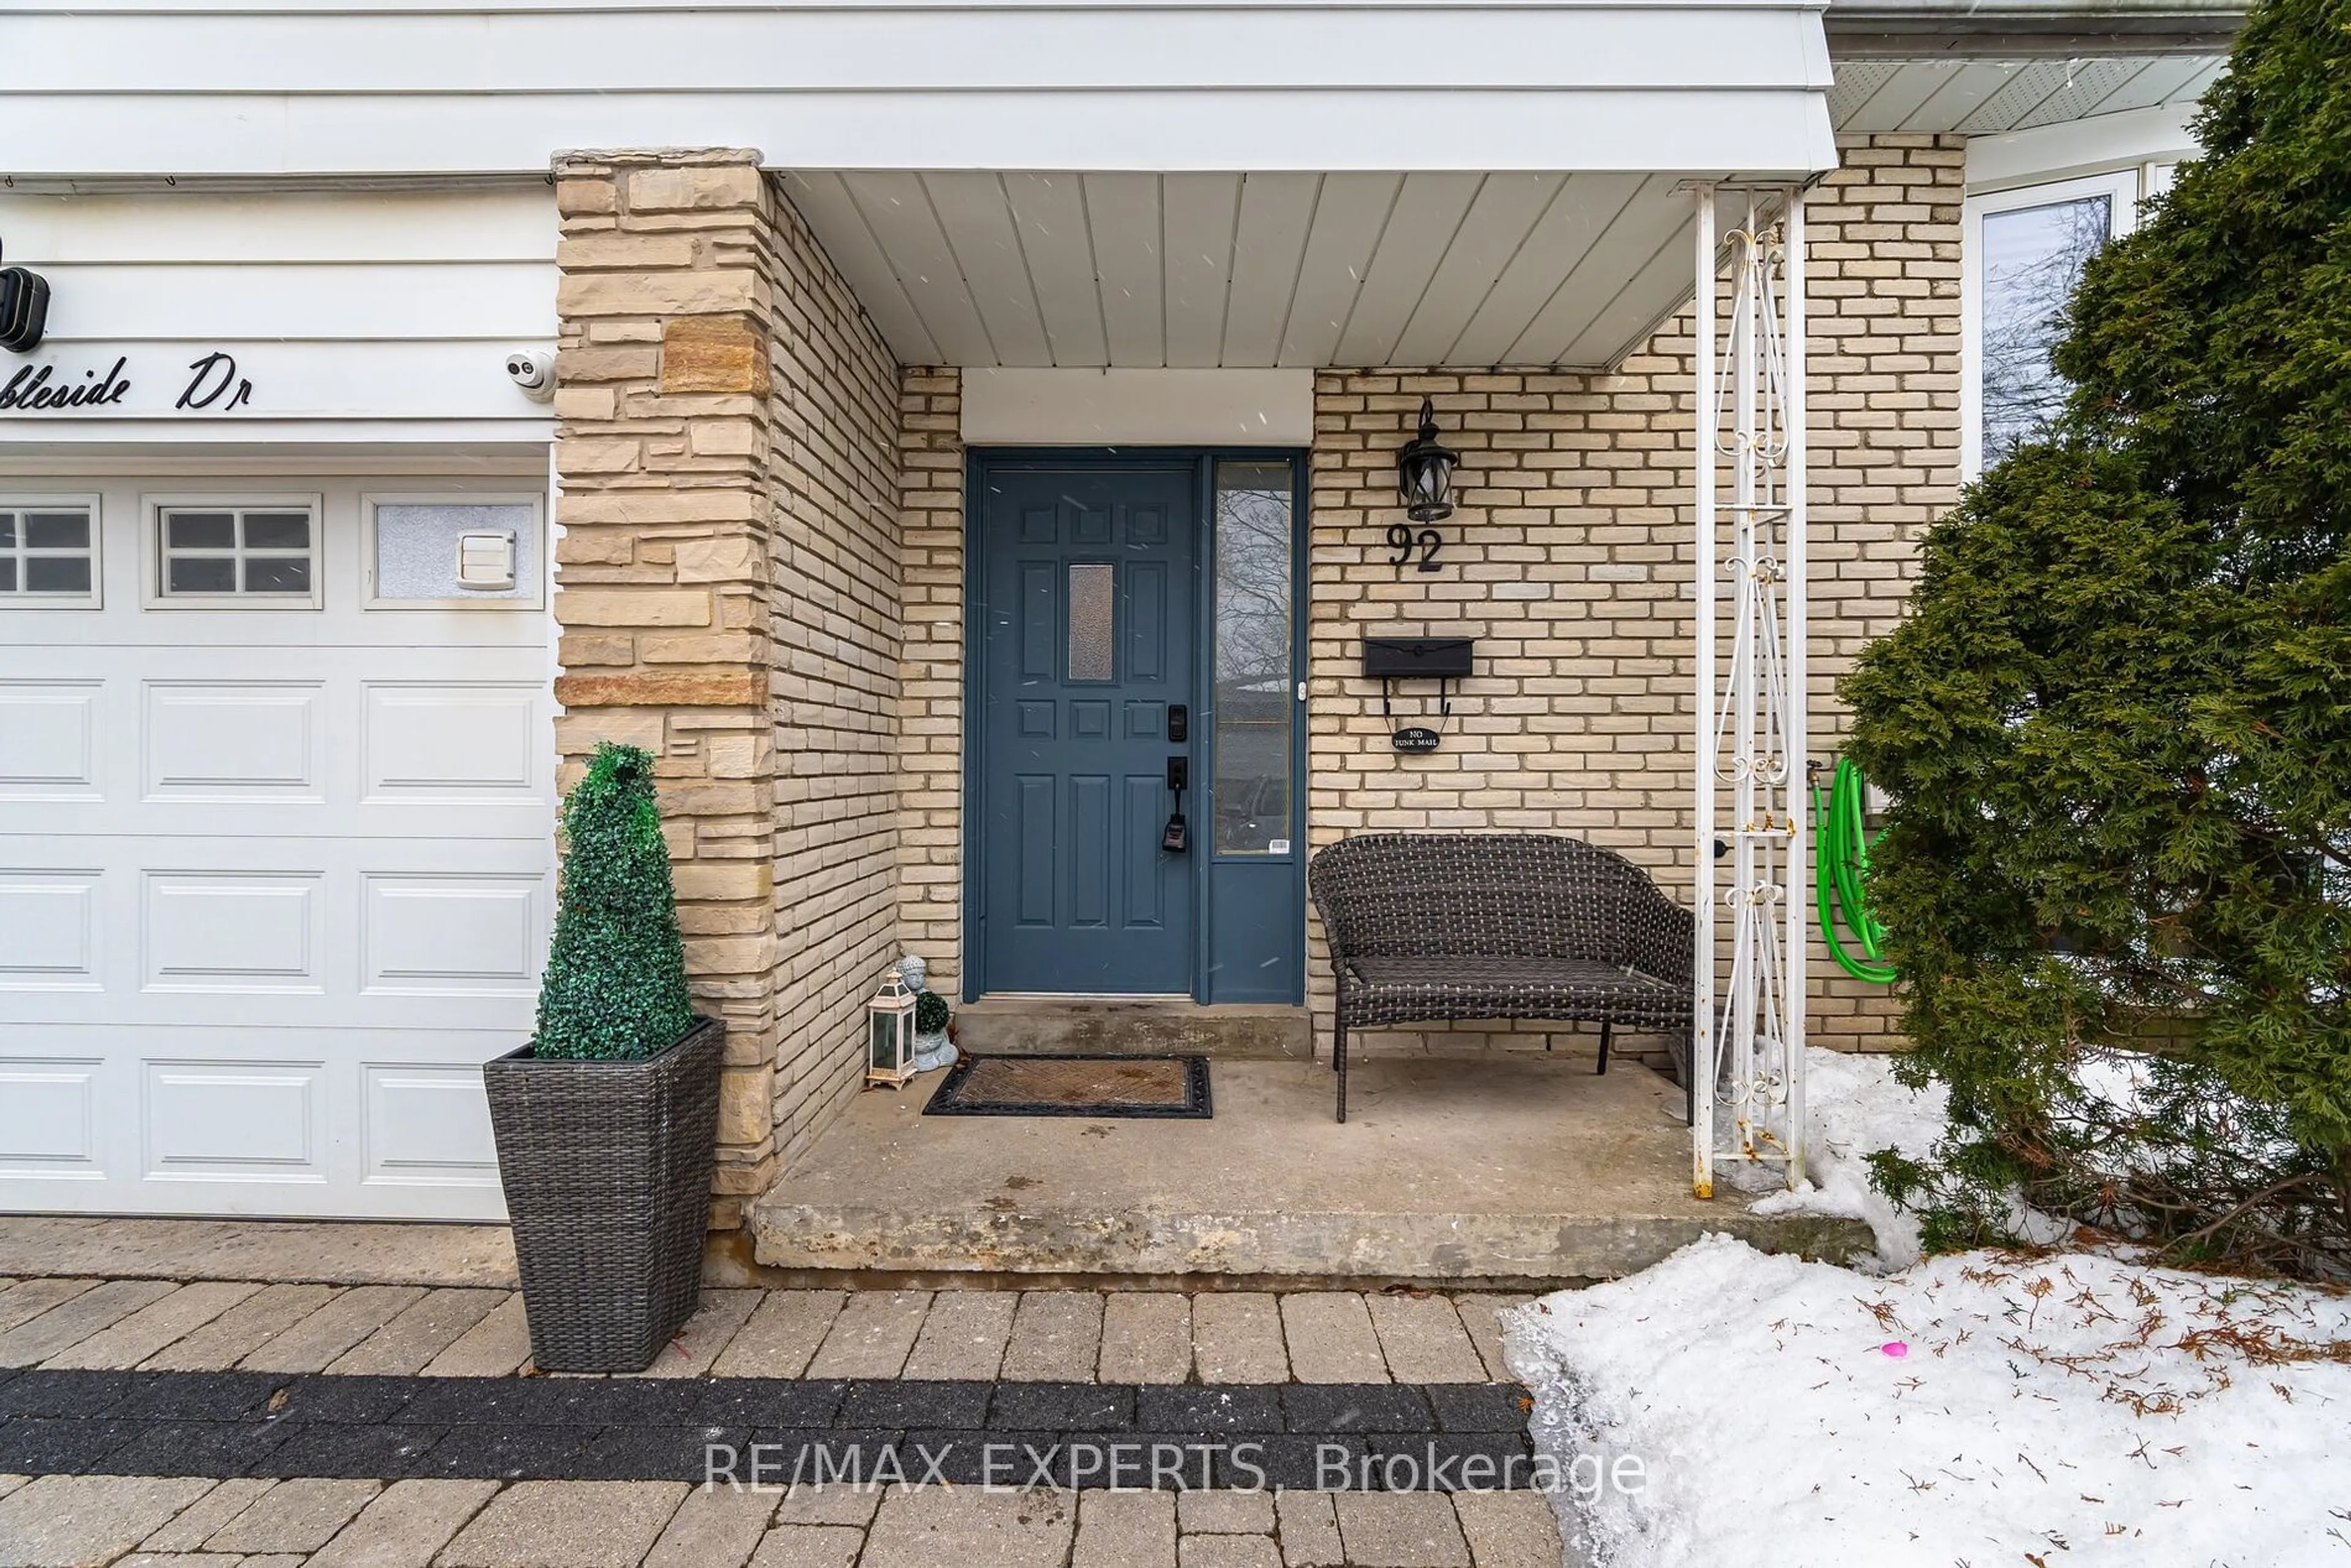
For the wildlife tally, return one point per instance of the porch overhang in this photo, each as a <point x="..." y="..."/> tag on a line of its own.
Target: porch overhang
<point x="305" y="88"/>
<point x="1111" y="184"/>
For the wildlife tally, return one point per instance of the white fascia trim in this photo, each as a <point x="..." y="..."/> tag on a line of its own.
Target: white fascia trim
<point x="1773" y="134"/>
<point x="1138" y="408"/>
<point x="24" y="440"/>
<point x="2102" y="142"/>
<point x="659" y="9"/>
<point x="1695" y="87"/>
<point x="851" y="47"/>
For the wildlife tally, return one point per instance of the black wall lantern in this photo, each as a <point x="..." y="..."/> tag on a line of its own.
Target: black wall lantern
<point x="1424" y="472"/>
<point x="24" y="309"/>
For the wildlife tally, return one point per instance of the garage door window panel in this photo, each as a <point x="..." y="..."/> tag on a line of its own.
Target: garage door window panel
<point x="250" y="554"/>
<point x="48" y="552"/>
<point x="452" y="550"/>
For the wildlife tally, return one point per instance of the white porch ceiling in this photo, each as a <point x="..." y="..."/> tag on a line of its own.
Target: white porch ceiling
<point x="1290" y="269"/>
<point x="1256" y="270"/>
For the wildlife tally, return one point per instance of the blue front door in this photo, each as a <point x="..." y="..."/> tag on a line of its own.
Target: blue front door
<point x="1086" y="617"/>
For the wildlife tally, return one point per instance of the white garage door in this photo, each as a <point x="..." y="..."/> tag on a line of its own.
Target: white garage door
<point x="277" y="800"/>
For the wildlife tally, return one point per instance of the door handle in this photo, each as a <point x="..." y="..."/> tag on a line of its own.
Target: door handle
<point x="1177" y="836"/>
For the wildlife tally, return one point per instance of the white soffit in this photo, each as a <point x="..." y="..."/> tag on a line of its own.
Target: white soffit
<point x="1138" y="408"/>
<point x="1256" y="271"/>
<point x="1986" y="97"/>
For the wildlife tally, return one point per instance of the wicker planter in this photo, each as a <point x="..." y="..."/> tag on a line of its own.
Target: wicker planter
<point x="607" y="1167"/>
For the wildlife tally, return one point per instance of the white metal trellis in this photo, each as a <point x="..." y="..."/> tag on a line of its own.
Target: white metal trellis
<point x="1748" y="1042"/>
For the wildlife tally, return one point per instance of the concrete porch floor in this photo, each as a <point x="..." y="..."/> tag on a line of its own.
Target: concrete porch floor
<point x="1497" y="1171"/>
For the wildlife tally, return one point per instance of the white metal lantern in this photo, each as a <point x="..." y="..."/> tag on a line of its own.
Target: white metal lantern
<point x="889" y="1033"/>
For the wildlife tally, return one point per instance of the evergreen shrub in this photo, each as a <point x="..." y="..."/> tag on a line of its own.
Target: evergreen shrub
<point x="615" y="984"/>
<point x="2116" y="730"/>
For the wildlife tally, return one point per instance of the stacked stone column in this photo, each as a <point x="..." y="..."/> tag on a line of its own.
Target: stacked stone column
<point x="730" y="598"/>
<point x="662" y="383"/>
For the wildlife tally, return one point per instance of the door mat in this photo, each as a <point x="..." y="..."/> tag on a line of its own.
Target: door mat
<point x="1174" y="1087"/>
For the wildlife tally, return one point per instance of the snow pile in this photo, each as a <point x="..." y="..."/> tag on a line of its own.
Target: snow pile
<point x="1728" y="1408"/>
<point x="1853" y="1107"/>
<point x="1977" y="1408"/>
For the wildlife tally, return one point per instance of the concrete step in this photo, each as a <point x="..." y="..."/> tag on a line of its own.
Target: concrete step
<point x="1505" y="1172"/>
<point x="1013" y="1026"/>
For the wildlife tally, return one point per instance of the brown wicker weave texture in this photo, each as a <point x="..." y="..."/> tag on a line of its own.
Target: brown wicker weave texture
<point x="607" y="1168"/>
<point x="1426" y="927"/>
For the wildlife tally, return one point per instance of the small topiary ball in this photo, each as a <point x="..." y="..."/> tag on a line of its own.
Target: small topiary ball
<point x="930" y="1012"/>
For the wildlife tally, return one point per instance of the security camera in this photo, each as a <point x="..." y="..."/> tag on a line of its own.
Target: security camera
<point x="534" y="371"/>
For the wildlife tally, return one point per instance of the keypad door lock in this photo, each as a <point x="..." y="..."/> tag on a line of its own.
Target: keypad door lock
<point x="1177" y="836"/>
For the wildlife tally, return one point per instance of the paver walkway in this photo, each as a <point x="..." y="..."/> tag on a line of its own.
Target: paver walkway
<point x="1058" y="1337"/>
<point x="235" y="1426"/>
<point x="148" y="1522"/>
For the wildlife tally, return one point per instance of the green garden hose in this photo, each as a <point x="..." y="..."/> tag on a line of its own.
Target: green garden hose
<point x="1840" y="847"/>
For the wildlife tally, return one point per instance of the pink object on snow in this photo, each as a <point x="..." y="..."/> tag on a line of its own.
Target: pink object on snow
<point x="1895" y="1348"/>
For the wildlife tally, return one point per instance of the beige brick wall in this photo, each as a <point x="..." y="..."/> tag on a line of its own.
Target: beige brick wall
<point x="761" y="581"/>
<point x="1571" y="561"/>
<point x="728" y="593"/>
<point x="931" y="674"/>
<point x="836" y="608"/>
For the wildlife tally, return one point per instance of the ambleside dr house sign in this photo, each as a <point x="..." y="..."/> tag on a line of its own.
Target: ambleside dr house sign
<point x="165" y="356"/>
<point x="211" y="384"/>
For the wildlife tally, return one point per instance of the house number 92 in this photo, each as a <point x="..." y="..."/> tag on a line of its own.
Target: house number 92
<point x="1403" y="541"/>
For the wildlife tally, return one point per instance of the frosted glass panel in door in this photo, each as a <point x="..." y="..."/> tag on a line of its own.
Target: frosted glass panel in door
<point x="1254" y="673"/>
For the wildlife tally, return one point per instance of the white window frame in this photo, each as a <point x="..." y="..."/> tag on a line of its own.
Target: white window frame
<point x="2121" y="186"/>
<point x="535" y="599"/>
<point x="25" y="501"/>
<point x="153" y="507"/>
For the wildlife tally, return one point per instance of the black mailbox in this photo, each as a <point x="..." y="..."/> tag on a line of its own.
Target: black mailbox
<point x="1416" y="658"/>
<point x="1444" y="660"/>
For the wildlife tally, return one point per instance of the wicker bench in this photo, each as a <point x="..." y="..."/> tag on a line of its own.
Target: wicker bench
<point x="1425" y="927"/>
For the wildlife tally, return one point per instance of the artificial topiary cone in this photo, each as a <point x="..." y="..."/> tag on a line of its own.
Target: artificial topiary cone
<point x="615" y="983"/>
